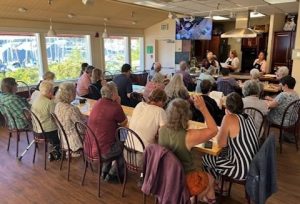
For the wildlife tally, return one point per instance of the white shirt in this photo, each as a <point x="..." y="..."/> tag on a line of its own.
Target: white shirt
<point x="235" y="62"/>
<point x="146" y="120"/>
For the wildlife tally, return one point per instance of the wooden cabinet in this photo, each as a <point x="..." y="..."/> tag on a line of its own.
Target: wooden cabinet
<point x="284" y="42"/>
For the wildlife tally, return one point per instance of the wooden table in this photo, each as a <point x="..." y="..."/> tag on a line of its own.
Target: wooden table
<point x="246" y="76"/>
<point x="88" y="106"/>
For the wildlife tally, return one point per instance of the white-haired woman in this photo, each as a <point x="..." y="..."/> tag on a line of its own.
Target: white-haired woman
<point x="155" y="83"/>
<point x="282" y="72"/>
<point x="43" y="106"/>
<point x="68" y="114"/>
<point x="174" y="86"/>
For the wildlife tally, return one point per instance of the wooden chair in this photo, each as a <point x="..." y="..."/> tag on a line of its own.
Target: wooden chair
<point x="130" y="140"/>
<point x="257" y="115"/>
<point x="22" y="83"/>
<point x="292" y="115"/>
<point x="38" y="137"/>
<point x="89" y="141"/>
<point x="64" y="151"/>
<point x="108" y="76"/>
<point x="12" y="127"/>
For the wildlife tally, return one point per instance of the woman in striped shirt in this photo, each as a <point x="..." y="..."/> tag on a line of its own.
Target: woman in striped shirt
<point x="239" y="140"/>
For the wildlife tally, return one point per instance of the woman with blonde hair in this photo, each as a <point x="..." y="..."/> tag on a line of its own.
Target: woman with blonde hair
<point x="68" y="114"/>
<point x="174" y="86"/>
<point x="233" y="62"/>
<point x="176" y="137"/>
<point x="96" y="85"/>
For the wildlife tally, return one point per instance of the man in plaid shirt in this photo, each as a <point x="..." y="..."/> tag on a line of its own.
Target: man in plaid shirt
<point x="12" y="105"/>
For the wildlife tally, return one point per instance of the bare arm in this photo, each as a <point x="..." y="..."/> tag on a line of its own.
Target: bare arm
<point x="124" y="123"/>
<point x="197" y="136"/>
<point x="272" y="104"/>
<point x="224" y="131"/>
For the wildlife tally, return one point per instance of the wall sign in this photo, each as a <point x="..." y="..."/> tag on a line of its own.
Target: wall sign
<point x="149" y="49"/>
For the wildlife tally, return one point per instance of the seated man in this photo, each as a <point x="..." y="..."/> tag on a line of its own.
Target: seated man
<point x="226" y="84"/>
<point x="106" y="116"/>
<point x="147" y="118"/>
<point x="210" y="103"/>
<point x="187" y="79"/>
<point x="84" y="82"/>
<point x="157" y="68"/>
<point x="13" y="103"/>
<point x="124" y="84"/>
<point x="42" y="107"/>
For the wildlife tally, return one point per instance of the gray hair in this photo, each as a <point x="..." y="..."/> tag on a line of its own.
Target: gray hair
<point x="174" y="86"/>
<point x="66" y="92"/>
<point x="49" y="76"/>
<point x="108" y="90"/>
<point x="282" y="72"/>
<point x="251" y="87"/>
<point x="157" y="78"/>
<point x="178" y="114"/>
<point x="255" y="74"/>
<point x="46" y="87"/>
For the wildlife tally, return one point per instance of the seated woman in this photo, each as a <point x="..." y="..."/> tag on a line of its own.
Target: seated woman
<point x="260" y="63"/>
<point x="207" y="75"/>
<point x="147" y="118"/>
<point x="156" y="83"/>
<point x="210" y="103"/>
<point x="14" y="104"/>
<point x="282" y="72"/>
<point x="96" y="85"/>
<point x="233" y="62"/>
<point x="239" y="140"/>
<point x="176" y="137"/>
<point x="173" y="87"/>
<point x="48" y="76"/>
<point x="210" y="63"/>
<point x="226" y="84"/>
<point x="68" y="114"/>
<point x="42" y="107"/>
<point x="278" y="105"/>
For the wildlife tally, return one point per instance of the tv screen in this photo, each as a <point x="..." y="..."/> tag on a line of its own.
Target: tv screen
<point x="193" y="28"/>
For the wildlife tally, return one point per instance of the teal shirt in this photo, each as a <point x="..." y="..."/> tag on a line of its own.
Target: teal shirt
<point x="14" y="109"/>
<point x="175" y="141"/>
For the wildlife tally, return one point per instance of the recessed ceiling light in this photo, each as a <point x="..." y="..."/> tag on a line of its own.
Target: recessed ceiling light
<point x="279" y="1"/>
<point x="256" y="14"/>
<point x="218" y="18"/>
<point x="22" y="9"/>
<point x="71" y="15"/>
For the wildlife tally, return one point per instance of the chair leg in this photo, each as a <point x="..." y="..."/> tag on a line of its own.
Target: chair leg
<point x="144" y="198"/>
<point x="296" y="130"/>
<point x="229" y="189"/>
<point x="62" y="159"/>
<point x="280" y="140"/>
<point x="18" y="139"/>
<point x="99" y="179"/>
<point x="34" y="153"/>
<point x="9" y="137"/>
<point x="69" y="165"/>
<point x="268" y="130"/>
<point x="84" y="171"/>
<point x="46" y="150"/>
<point x="27" y="137"/>
<point x="125" y="180"/>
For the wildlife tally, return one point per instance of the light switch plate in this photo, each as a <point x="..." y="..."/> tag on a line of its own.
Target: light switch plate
<point x="296" y="54"/>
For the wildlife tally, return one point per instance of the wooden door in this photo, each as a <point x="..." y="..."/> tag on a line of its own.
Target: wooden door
<point x="281" y="49"/>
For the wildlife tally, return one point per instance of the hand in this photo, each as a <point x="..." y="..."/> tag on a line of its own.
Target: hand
<point x="268" y="98"/>
<point x="199" y="102"/>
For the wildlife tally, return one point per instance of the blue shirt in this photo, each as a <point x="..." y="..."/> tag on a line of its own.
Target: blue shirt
<point x="124" y="85"/>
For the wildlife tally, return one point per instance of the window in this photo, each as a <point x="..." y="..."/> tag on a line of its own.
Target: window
<point x="19" y="57"/>
<point x="115" y="49"/>
<point x="65" y="55"/>
<point x="136" y="44"/>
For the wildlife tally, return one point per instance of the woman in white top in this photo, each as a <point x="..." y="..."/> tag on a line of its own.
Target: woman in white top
<point x="233" y="62"/>
<point x="260" y="63"/>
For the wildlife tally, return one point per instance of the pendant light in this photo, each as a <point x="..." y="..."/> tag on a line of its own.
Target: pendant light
<point x="104" y="34"/>
<point x="51" y="32"/>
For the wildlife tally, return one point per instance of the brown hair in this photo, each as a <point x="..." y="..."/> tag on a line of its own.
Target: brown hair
<point x="234" y="53"/>
<point x="8" y="84"/>
<point x="178" y="114"/>
<point x="158" y="95"/>
<point x="96" y="75"/>
<point x="234" y="103"/>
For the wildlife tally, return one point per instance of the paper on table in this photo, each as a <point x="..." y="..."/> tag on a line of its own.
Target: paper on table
<point x="217" y="96"/>
<point x="225" y="65"/>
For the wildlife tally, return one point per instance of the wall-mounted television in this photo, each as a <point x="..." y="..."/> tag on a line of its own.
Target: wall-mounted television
<point x="193" y="28"/>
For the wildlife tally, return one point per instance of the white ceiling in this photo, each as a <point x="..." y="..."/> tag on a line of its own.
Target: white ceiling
<point x="218" y="7"/>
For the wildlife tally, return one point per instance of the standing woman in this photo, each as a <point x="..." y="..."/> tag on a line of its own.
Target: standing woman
<point x="260" y="63"/>
<point x="233" y="62"/>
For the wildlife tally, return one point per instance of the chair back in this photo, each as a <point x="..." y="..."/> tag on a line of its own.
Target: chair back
<point x="132" y="142"/>
<point x="225" y="87"/>
<point x="10" y="121"/>
<point x="108" y="76"/>
<point x="291" y="115"/>
<point x="259" y="119"/>
<point x="35" y="121"/>
<point x="94" y="92"/>
<point x="91" y="148"/>
<point x="22" y="83"/>
<point x="61" y="131"/>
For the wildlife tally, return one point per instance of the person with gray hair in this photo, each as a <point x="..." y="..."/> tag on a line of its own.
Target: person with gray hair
<point x="157" y="74"/>
<point x="68" y="114"/>
<point x="42" y="107"/>
<point x="255" y="74"/>
<point x="174" y="86"/>
<point x="106" y="116"/>
<point x="187" y="79"/>
<point x="155" y="83"/>
<point x="204" y="76"/>
<point x="282" y="72"/>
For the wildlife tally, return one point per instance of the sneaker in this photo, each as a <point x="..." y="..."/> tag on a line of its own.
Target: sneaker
<point x="111" y="179"/>
<point x="75" y="154"/>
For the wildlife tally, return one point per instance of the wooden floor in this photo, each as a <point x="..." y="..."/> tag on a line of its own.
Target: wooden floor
<point x="24" y="182"/>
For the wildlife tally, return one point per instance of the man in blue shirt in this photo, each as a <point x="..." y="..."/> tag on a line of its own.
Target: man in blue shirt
<point x="124" y="84"/>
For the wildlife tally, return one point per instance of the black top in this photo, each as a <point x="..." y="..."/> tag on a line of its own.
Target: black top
<point x="95" y="90"/>
<point x="124" y="85"/>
